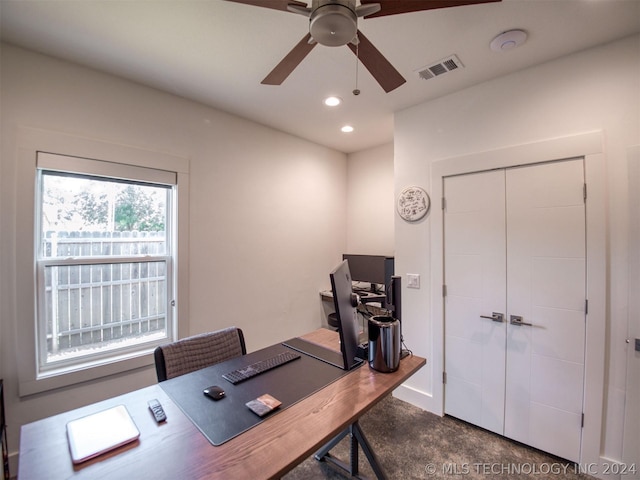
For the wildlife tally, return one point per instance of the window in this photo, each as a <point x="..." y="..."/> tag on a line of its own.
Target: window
<point x="104" y="351"/>
<point x="104" y="261"/>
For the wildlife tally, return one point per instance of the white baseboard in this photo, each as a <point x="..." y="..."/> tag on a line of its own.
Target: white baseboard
<point x="13" y="464"/>
<point x="415" y="397"/>
<point x="611" y="469"/>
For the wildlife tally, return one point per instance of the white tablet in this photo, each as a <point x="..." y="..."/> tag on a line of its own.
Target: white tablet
<point x="100" y="432"/>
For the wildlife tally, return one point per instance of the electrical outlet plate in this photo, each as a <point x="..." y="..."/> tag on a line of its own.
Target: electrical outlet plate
<point x="413" y="280"/>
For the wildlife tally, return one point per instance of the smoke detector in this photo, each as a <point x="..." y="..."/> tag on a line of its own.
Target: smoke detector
<point x="508" y="40"/>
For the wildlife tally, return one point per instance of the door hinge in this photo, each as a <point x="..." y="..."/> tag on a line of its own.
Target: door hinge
<point x="444" y="377"/>
<point x="584" y="192"/>
<point x="444" y="290"/>
<point x="444" y="203"/>
<point x="582" y="421"/>
<point x="586" y="307"/>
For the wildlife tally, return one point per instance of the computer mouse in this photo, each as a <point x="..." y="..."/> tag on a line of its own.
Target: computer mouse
<point x="214" y="392"/>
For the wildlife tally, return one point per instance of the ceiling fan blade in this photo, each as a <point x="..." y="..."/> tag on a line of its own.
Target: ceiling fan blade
<point x="395" y="7"/>
<point x="386" y="75"/>
<point x="274" y="4"/>
<point x="290" y="62"/>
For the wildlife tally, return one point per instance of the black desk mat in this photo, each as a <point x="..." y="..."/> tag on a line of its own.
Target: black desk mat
<point x="220" y="421"/>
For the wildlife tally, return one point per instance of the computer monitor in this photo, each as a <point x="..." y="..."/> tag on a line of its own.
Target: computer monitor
<point x="345" y="302"/>
<point x="373" y="269"/>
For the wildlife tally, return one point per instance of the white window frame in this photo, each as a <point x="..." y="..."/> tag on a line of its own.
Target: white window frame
<point x="48" y="163"/>
<point x="129" y="159"/>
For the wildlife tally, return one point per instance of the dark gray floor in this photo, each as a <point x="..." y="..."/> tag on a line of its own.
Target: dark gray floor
<point x="411" y="443"/>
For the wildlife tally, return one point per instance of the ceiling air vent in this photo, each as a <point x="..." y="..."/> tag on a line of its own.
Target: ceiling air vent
<point x="441" y="67"/>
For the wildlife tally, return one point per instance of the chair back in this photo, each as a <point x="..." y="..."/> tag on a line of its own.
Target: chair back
<point x="198" y="351"/>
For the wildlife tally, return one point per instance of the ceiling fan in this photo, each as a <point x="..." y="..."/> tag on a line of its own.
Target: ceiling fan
<point x="334" y="23"/>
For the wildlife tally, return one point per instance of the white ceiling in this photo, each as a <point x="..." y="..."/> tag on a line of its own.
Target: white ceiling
<point x="217" y="52"/>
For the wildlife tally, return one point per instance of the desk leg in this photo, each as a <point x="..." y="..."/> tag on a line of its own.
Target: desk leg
<point x="357" y="438"/>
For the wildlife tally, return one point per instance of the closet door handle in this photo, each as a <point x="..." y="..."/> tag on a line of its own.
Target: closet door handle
<point x="516" y="320"/>
<point x="496" y="317"/>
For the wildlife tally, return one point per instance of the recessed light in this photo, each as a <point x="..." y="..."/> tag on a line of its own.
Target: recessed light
<point x="347" y="129"/>
<point x="332" y="101"/>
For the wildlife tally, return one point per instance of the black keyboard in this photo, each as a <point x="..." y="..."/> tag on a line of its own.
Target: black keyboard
<point x="237" y="376"/>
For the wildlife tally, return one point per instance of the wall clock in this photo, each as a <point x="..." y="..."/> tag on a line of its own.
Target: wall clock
<point x="413" y="204"/>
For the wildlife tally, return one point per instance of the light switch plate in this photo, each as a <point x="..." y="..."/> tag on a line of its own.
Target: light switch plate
<point x="413" y="280"/>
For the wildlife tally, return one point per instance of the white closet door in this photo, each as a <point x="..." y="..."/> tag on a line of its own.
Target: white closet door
<point x="515" y="244"/>
<point x="474" y="225"/>
<point x="546" y="284"/>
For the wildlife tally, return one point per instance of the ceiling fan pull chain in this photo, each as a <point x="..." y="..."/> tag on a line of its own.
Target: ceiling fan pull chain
<point x="356" y="91"/>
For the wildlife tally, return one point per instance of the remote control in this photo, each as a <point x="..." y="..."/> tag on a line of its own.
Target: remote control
<point x="157" y="410"/>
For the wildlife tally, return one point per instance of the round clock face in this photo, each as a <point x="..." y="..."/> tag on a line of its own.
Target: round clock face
<point x="413" y="203"/>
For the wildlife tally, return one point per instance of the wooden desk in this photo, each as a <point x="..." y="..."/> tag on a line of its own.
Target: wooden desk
<point x="176" y="449"/>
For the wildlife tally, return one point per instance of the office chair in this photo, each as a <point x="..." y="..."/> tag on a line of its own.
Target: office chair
<point x="198" y="351"/>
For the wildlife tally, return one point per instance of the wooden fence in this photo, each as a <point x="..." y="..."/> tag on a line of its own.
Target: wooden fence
<point x="98" y="304"/>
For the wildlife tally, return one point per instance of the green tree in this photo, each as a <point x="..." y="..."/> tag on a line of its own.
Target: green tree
<point x="94" y="209"/>
<point x="135" y="208"/>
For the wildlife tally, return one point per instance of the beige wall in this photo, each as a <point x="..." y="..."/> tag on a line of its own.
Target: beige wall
<point x="370" y="204"/>
<point x="264" y="211"/>
<point x="595" y="90"/>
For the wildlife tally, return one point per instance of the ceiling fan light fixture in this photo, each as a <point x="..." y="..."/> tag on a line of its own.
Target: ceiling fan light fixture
<point x="333" y="24"/>
<point x="332" y="101"/>
<point x="347" y="129"/>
